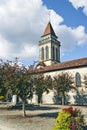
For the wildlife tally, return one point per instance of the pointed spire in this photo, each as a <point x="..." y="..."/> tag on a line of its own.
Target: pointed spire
<point x="49" y="30"/>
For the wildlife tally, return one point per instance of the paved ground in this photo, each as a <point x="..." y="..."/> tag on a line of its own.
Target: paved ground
<point x="38" y="117"/>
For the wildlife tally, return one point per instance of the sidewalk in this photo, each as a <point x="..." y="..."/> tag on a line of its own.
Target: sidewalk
<point x="38" y="117"/>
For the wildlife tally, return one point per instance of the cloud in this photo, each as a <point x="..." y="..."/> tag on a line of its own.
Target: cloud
<point x="80" y="3"/>
<point x="71" y="37"/>
<point x="21" y="25"/>
<point x="19" y="22"/>
<point x="22" y="22"/>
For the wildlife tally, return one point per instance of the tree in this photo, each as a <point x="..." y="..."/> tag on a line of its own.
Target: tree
<point x="42" y="84"/>
<point x="2" y="87"/>
<point x="63" y="83"/>
<point x="85" y="80"/>
<point x="18" y="81"/>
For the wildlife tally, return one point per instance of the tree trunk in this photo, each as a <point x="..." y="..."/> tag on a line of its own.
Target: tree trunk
<point x="39" y="99"/>
<point x="63" y="99"/>
<point x="23" y="108"/>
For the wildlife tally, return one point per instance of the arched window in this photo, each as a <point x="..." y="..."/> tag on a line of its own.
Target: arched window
<point x="47" y="52"/>
<point x="42" y="53"/>
<point x="53" y="53"/>
<point x="56" y="54"/>
<point x="78" y="79"/>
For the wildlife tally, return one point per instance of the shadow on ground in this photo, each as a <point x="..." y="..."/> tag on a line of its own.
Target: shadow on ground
<point x="45" y="115"/>
<point x="85" y="128"/>
<point x="31" y="116"/>
<point x="32" y="107"/>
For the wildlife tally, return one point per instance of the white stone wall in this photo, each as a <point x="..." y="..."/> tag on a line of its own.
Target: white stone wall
<point x="14" y="99"/>
<point x="34" y="100"/>
<point x="72" y="94"/>
<point x="50" y="42"/>
<point x="49" y="98"/>
<point x="44" y="46"/>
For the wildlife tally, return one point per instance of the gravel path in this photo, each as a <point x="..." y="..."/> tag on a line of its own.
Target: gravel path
<point x="38" y="118"/>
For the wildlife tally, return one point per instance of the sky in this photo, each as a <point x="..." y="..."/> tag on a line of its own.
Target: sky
<point x="22" y="23"/>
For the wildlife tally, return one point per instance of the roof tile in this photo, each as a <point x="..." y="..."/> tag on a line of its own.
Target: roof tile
<point x="65" y="65"/>
<point x="49" y="30"/>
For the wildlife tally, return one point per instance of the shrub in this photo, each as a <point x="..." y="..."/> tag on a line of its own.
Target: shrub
<point x="63" y="121"/>
<point x="1" y="98"/>
<point x="69" y="119"/>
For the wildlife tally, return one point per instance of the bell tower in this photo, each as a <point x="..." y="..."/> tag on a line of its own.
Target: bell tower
<point x="49" y="47"/>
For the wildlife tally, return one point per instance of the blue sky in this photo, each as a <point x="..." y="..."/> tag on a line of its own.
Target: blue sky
<point x="72" y="18"/>
<point x="22" y="23"/>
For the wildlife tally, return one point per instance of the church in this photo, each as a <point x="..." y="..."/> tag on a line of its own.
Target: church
<point x="50" y="64"/>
